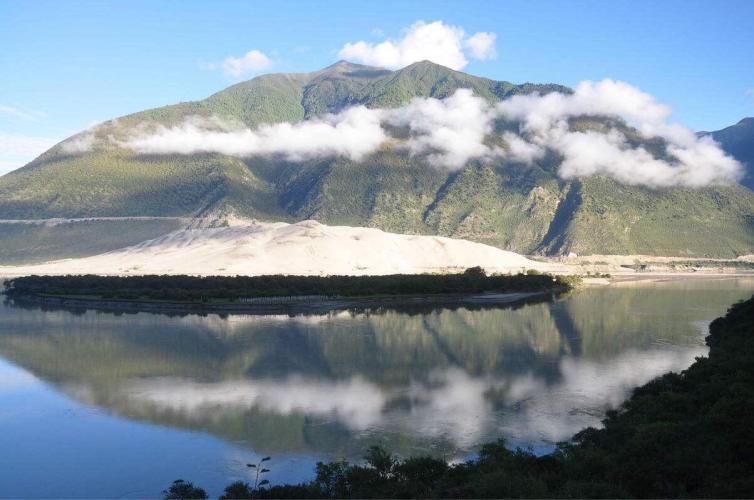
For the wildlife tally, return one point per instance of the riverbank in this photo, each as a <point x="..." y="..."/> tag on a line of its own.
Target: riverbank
<point x="639" y="265"/>
<point x="629" y="279"/>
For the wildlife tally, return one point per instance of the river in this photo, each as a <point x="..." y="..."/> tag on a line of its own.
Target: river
<point x="98" y="404"/>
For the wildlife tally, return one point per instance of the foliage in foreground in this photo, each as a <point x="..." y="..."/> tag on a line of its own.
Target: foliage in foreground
<point x="681" y="435"/>
<point x="182" y="489"/>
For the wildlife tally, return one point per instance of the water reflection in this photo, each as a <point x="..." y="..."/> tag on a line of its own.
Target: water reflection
<point x="449" y="405"/>
<point x="439" y="381"/>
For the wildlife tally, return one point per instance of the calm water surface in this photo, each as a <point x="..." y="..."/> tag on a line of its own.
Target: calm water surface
<point x="104" y="405"/>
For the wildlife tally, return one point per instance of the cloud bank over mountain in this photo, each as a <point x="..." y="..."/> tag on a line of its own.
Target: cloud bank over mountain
<point x="452" y="131"/>
<point x="688" y="160"/>
<point x="354" y="133"/>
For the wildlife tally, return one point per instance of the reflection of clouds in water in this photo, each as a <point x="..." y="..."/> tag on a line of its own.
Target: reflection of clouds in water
<point x="451" y="404"/>
<point x="241" y="322"/>
<point x="554" y="413"/>
<point x="355" y="402"/>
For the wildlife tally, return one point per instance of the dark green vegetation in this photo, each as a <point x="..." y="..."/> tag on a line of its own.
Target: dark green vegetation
<point x="192" y="288"/>
<point x="181" y="489"/>
<point x="679" y="436"/>
<point x="522" y="208"/>
<point x="738" y="141"/>
<point x="242" y="489"/>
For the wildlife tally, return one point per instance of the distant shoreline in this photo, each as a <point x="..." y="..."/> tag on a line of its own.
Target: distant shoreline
<point x="652" y="276"/>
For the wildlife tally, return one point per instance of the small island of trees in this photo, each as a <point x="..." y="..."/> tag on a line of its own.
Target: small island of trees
<point x="240" y="288"/>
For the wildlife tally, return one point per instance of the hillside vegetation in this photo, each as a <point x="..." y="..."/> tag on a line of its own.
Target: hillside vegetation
<point x="527" y="209"/>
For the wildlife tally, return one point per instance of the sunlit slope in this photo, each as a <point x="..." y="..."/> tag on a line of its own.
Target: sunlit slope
<point x="524" y="209"/>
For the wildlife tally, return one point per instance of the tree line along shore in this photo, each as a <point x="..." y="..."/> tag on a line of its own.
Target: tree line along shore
<point x="252" y="289"/>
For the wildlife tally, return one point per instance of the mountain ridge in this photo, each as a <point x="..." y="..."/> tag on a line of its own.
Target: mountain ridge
<point x="524" y="208"/>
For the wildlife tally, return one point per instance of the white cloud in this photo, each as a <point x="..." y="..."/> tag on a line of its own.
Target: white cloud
<point x="691" y="161"/>
<point x="449" y="131"/>
<point x="750" y="93"/>
<point x="80" y="143"/>
<point x="436" y="41"/>
<point x="84" y="141"/>
<point x="606" y="97"/>
<point x="17" y="150"/>
<point x="482" y="45"/>
<point x="452" y="131"/>
<point x="520" y="150"/>
<point x="251" y="62"/>
<point x="354" y="132"/>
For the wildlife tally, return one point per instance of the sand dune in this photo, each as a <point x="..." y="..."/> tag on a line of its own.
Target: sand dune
<point x="304" y="248"/>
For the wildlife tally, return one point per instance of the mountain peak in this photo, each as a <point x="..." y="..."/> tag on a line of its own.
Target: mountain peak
<point x="341" y="64"/>
<point x="427" y="64"/>
<point x="349" y="70"/>
<point x="344" y="66"/>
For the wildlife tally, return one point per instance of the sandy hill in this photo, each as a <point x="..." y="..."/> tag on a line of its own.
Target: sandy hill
<point x="303" y="248"/>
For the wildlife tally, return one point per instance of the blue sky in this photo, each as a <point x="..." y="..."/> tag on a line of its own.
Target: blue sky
<point x="67" y="65"/>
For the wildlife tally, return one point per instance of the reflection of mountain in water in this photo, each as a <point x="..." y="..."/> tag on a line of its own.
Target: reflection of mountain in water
<point x="333" y="383"/>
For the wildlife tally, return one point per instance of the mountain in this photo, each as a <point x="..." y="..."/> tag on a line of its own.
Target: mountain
<point x="738" y="141"/>
<point x="127" y="197"/>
